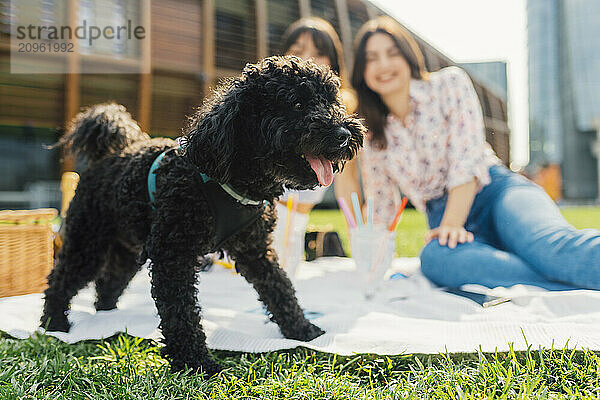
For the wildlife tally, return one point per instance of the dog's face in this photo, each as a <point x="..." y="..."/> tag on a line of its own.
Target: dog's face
<point x="303" y="124"/>
<point x="283" y="118"/>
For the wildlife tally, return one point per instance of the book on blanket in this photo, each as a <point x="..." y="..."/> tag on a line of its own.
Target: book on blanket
<point x="482" y="299"/>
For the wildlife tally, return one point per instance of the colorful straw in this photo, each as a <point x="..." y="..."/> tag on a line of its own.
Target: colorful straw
<point x="346" y="212"/>
<point x="292" y="213"/>
<point x="286" y="232"/>
<point x="357" y="213"/>
<point x="398" y="214"/>
<point x="370" y="213"/>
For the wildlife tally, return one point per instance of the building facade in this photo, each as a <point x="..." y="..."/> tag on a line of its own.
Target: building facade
<point x="492" y="74"/>
<point x="564" y="91"/>
<point x="193" y="45"/>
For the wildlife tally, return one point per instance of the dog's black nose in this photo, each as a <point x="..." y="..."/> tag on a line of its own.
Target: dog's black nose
<point x="342" y="136"/>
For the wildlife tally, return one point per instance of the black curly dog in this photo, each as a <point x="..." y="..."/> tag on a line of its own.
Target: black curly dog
<point x="280" y="123"/>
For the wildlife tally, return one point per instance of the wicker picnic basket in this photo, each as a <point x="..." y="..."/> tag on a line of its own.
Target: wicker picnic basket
<point x="26" y="250"/>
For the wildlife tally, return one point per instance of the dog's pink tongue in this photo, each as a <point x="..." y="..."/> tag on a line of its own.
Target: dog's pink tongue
<point x="322" y="168"/>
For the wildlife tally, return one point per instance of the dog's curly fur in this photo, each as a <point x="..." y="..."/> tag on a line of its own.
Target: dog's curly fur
<point x="253" y="135"/>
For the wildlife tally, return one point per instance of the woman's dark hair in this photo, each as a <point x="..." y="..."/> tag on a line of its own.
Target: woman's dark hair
<point x="324" y="37"/>
<point x="370" y="104"/>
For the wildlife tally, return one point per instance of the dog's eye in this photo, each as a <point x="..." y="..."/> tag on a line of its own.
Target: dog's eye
<point x="298" y="106"/>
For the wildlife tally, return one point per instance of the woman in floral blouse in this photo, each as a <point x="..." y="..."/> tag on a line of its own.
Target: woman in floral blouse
<point x="489" y="226"/>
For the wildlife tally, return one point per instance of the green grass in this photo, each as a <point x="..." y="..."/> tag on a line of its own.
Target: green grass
<point x="125" y="367"/>
<point x="583" y="217"/>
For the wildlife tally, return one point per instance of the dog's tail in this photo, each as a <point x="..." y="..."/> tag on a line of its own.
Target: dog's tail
<point x="101" y="130"/>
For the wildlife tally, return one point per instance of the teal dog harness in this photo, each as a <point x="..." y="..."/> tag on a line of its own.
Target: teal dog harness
<point x="152" y="177"/>
<point x="232" y="212"/>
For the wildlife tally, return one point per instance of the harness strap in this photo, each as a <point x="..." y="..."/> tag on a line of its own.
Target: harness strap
<point x="205" y="178"/>
<point x="152" y="177"/>
<point x="240" y="199"/>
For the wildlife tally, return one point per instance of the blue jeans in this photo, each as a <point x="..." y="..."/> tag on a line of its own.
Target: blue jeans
<point x="520" y="238"/>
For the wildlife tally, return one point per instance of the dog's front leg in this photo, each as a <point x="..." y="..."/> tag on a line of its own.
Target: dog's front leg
<point x="174" y="255"/>
<point x="276" y="292"/>
<point x="175" y="294"/>
<point x="256" y="261"/>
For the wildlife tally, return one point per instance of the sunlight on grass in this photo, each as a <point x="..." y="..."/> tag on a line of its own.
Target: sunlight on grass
<point x="118" y="368"/>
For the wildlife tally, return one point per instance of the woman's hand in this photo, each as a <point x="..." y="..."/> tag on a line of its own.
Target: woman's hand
<point x="451" y="235"/>
<point x="452" y="228"/>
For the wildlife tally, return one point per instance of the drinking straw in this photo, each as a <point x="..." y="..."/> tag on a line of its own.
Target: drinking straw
<point x="398" y="214"/>
<point x="292" y="212"/>
<point x="346" y="212"/>
<point x="286" y="232"/>
<point x="223" y="263"/>
<point x="357" y="213"/>
<point x="370" y="213"/>
<point x="291" y="215"/>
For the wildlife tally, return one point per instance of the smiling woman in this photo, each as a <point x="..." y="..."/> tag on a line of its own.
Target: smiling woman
<point x="488" y="225"/>
<point x="389" y="57"/>
<point x="386" y="70"/>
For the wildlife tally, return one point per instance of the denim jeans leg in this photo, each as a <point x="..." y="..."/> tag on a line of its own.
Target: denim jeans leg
<point x="479" y="263"/>
<point x="530" y="225"/>
<point x="492" y="260"/>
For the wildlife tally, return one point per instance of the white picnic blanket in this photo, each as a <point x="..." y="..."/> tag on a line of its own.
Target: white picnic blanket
<point x="408" y="315"/>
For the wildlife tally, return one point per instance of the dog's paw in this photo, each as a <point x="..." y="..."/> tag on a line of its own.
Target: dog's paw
<point x="55" y="323"/>
<point x="303" y="331"/>
<point x="105" y="305"/>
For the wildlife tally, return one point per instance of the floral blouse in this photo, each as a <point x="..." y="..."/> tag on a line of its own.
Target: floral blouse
<point x="441" y="145"/>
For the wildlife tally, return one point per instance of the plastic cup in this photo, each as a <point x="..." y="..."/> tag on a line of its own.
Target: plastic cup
<point x="294" y="253"/>
<point x="372" y="251"/>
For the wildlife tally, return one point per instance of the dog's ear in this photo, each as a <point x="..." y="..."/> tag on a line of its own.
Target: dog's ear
<point x="212" y="137"/>
<point x="223" y="144"/>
